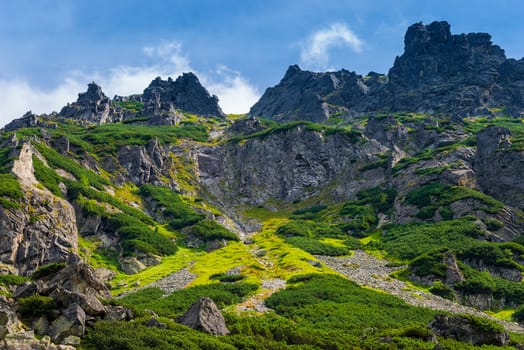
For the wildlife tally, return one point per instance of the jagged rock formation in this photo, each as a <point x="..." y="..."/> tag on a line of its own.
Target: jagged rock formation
<point x="306" y="159"/>
<point x="28" y="120"/>
<point x="185" y="93"/>
<point x="204" y="315"/>
<point x="93" y="106"/>
<point x="44" y="235"/>
<point x="438" y="73"/>
<point x="466" y="330"/>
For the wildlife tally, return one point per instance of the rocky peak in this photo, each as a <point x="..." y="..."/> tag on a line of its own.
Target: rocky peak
<point x="438" y="73"/>
<point x="91" y="106"/>
<point x="186" y="93"/>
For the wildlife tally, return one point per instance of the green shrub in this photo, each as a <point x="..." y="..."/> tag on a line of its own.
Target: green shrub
<point x="518" y="315"/>
<point x="36" y="305"/>
<point x="442" y="290"/>
<point x="431" y="263"/>
<point x="380" y="198"/>
<point x="426" y="213"/>
<point x="437" y="195"/>
<point x="488" y="254"/>
<point x="137" y="236"/>
<point x="409" y="241"/>
<point x="174" y="210"/>
<point x="176" y="303"/>
<point x="315" y="247"/>
<point x="210" y="230"/>
<point x="224" y="277"/>
<point x="47" y="270"/>
<point x="47" y="176"/>
<point x="446" y="213"/>
<point x="313" y="209"/>
<point x="8" y="280"/>
<point x="493" y="224"/>
<point x="10" y="187"/>
<point x="85" y="176"/>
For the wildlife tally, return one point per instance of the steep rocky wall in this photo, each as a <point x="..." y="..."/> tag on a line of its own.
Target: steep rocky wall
<point x="43" y="230"/>
<point x="288" y="166"/>
<point x="499" y="167"/>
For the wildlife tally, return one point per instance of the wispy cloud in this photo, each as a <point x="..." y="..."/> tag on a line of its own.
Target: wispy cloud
<point x="235" y="93"/>
<point x="315" y="50"/>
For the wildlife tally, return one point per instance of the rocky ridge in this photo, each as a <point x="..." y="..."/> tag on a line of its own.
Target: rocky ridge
<point x="438" y="73"/>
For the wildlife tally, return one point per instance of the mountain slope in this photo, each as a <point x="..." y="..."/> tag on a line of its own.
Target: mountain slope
<point x="160" y="199"/>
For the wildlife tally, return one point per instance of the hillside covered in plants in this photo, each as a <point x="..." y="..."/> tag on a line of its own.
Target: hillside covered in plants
<point x="344" y="211"/>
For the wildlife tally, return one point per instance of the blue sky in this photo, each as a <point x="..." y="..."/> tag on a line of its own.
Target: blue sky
<point x="50" y="50"/>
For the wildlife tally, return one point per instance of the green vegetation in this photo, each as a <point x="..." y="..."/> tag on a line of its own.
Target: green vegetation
<point x="10" y="188"/>
<point x="83" y="175"/>
<point x="224" y="277"/>
<point x="176" y="212"/>
<point x="175" y="304"/>
<point x="47" y="176"/>
<point x="315" y="247"/>
<point x="8" y="280"/>
<point x="133" y="106"/>
<point x="210" y="230"/>
<point x="406" y="242"/>
<point x="431" y="263"/>
<point x="432" y="196"/>
<point x="47" y="270"/>
<point x="442" y="290"/>
<point x="137" y="236"/>
<point x="129" y="134"/>
<point x="518" y="315"/>
<point x="36" y="305"/>
<point x="354" y="136"/>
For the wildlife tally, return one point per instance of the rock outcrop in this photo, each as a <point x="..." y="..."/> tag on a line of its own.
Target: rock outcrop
<point x="204" y="315"/>
<point x="499" y="166"/>
<point x="28" y="120"/>
<point x="467" y="329"/>
<point x="165" y="97"/>
<point x="45" y="234"/>
<point x="438" y="73"/>
<point x="306" y="161"/>
<point x="92" y="106"/>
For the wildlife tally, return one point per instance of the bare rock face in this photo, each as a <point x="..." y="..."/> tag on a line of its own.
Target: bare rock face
<point x="465" y="329"/>
<point x="92" y="106"/>
<point x="164" y="97"/>
<point x="9" y="322"/>
<point x="287" y="166"/>
<point x="499" y="168"/>
<point x="204" y="315"/>
<point x="44" y="235"/>
<point x="28" y="120"/>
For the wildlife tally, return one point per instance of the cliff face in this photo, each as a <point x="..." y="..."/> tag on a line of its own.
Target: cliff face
<point x="438" y="73"/>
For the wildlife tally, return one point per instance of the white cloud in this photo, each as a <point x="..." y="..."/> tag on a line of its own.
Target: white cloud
<point x="315" y="50"/>
<point x="235" y="93"/>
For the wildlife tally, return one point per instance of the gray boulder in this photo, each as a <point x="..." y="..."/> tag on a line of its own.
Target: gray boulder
<point x="204" y="315"/>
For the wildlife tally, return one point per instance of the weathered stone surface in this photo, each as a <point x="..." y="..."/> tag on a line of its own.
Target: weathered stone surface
<point x="71" y="322"/>
<point x="204" y="315"/>
<point x="164" y="97"/>
<point x="28" y="120"/>
<point x="9" y="323"/>
<point x="91" y="106"/>
<point x="465" y="330"/>
<point x="306" y="160"/>
<point x="499" y="168"/>
<point x="48" y="234"/>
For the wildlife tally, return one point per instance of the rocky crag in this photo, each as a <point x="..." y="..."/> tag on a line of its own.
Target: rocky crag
<point x="438" y="73"/>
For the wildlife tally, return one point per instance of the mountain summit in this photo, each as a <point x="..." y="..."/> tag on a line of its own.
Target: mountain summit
<point x="438" y="73"/>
